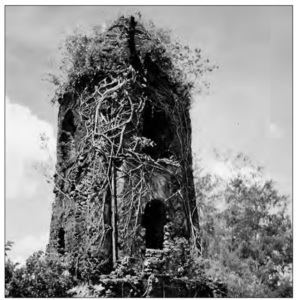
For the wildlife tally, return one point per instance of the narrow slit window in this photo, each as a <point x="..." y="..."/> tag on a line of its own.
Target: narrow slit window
<point x="66" y="140"/>
<point x="61" y="241"/>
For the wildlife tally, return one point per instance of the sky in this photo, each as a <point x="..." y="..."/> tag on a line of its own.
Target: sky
<point x="248" y="107"/>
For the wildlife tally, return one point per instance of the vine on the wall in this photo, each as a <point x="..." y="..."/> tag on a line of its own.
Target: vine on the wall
<point x="111" y="79"/>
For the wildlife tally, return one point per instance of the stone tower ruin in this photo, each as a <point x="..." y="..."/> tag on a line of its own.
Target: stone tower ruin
<point x="124" y="162"/>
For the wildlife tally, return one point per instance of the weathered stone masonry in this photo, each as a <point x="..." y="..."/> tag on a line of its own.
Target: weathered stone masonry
<point x="124" y="182"/>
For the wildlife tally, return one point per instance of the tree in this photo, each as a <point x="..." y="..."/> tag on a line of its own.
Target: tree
<point x="86" y="59"/>
<point x="41" y="276"/>
<point x="250" y="236"/>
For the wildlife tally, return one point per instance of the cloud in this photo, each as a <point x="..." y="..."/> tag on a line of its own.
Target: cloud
<point x="221" y="169"/>
<point x="228" y="167"/>
<point x="26" y="246"/>
<point x="23" y="150"/>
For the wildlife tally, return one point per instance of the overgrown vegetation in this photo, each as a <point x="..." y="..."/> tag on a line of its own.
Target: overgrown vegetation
<point x="245" y="244"/>
<point x="246" y="233"/>
<point x="42" y="276"/>
<point x="89" y="57"/>
<point x="130" y="89"/>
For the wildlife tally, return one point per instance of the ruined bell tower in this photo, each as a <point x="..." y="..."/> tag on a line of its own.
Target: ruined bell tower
<point x="124" y="163"/>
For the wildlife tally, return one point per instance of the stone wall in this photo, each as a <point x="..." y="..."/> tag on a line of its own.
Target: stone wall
<point x="119" y="140"/>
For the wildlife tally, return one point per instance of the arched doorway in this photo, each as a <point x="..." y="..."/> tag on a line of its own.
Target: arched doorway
<point x="154" y="219"/>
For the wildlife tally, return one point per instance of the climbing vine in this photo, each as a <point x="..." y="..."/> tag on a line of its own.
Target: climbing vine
<point x="113" y="81"/>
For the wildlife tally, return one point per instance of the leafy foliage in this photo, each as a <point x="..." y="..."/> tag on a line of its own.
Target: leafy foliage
<point x="247" y="235"/>
<point x="246" y="242"/>
<point x="8" y="246"/>
<point x="130" y="89"/>
<point x="247" y="246"/>
<point x="89" y="57"/>
<point x="41" y="276"/>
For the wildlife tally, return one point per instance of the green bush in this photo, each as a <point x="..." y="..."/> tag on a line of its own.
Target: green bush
<point x="246" y="234"/>
<point x="41" y="276"/>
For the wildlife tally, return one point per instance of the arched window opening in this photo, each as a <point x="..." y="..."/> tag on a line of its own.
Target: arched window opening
<point x="154" y="219"/>
<point x="157" y="127"/>
<point x="66" y="139"/>
<point x="61" y="241"/>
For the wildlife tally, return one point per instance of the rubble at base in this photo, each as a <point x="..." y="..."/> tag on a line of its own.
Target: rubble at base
<point x="165" y="272"/>
<point x="148" y="286"/>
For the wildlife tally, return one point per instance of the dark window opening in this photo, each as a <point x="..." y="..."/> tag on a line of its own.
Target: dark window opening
<point x="66" y="139"/>
<point x="61" y="241"/>
<point x="68" y="123"/>
<point x="154" y="219"/>
<point x="157" y="127"/>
